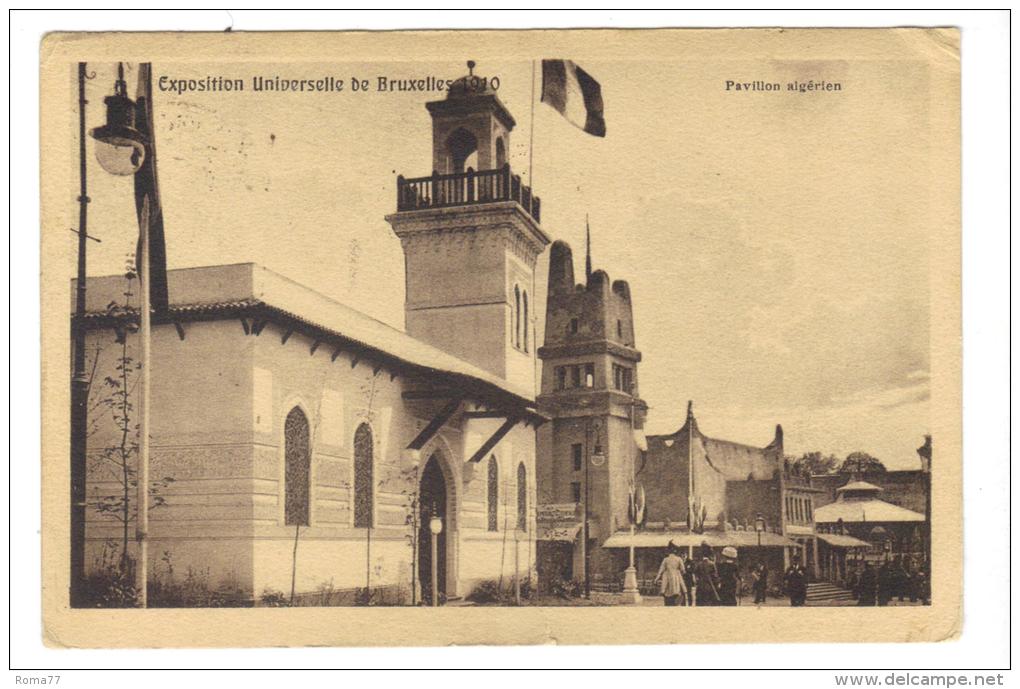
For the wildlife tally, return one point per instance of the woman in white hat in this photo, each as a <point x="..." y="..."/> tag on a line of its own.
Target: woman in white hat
<point x="671" y="576"/>
<point x="729" y="577"/>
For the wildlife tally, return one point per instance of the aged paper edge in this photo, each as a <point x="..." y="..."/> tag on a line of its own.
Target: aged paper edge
<point x="65" y="628"/>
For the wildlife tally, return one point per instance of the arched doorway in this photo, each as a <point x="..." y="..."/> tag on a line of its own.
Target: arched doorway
<point x="432" y="501"/>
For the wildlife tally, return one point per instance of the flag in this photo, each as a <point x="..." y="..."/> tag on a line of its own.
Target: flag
<point x="147" y="186"/>
<point x="575" y="94"/>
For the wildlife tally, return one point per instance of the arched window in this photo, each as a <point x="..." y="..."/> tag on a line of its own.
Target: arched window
<point x="462" y="147"/>
<point x="500" y="153"/>
<point x="297" y="468"/>
<point x="516" y="337"/>
<point x="522" y="498"/>
<point x="525" y="324"/>
<point x="492" y="494"/>
<point x="363" y="476"/>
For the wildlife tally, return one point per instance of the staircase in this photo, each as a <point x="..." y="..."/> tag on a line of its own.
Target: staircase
<point x="824" y="593"/>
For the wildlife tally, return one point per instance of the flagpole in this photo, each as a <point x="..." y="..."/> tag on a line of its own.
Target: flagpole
<point x="587" y="249"/>
<point x="79" y="379"/>
<point x="690" y="478"/>
<point x="531" y="140"/>
<point x="142" y="519"/>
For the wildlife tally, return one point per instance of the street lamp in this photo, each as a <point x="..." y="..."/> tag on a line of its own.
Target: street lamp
<point x="759" y="527"/>
<point x="631" y="594"/>
<point x="435" y="528"/>
<point x="120" y="147"/>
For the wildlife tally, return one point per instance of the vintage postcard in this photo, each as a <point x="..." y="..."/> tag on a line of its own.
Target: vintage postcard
<point x="467" y="337"/>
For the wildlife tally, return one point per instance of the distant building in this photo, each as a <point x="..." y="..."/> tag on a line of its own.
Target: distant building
<point x="699" y="490"/>
<point x="890" y="531"/>
<point x="874" y="515"/>
<point x="705" y="490"/>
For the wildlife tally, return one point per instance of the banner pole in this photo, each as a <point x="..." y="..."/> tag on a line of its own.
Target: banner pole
<point x="531" y="139"/>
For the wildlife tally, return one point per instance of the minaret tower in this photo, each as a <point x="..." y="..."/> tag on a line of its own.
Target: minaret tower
<point x="471" y="237"/>
<point x="590" y="389"/>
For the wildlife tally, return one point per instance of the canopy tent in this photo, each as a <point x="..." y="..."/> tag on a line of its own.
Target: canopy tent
<point x="864" y="511"/>
<point x="715" y="539"/>
<point x="843" y="541"/>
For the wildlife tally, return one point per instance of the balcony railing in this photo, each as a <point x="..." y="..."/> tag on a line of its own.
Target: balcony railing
<point x="466" y="188"/>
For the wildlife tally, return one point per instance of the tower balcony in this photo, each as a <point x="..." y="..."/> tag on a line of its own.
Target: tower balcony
<point x="465" y="189"/>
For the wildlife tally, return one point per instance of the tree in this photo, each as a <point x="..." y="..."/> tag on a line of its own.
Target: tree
<point x="814" y="463"/>
<point x="117" y="462"/>
<point x="406" y="481"/>
<point x="859" y="463"/>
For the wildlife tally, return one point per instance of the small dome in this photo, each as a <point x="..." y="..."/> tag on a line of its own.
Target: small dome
<point x="470" y="85"/>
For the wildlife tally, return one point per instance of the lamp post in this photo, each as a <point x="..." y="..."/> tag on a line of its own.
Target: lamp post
<point x="631" y="594"/>
<point x="79" y="379"/>
<point x="435" y="528"/>
<point x="595" y="457"/>
<point x="121" y="149"/>
<point x="759" y="529"/>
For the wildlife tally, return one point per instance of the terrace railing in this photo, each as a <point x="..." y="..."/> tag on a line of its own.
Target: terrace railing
<point x="466" y="188"/>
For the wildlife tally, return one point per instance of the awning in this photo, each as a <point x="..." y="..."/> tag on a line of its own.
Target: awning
<point x="715" y="539"/>
<point x="799" y="530"/>
<point x="843" y="541"/>
<point x="557" y="532"/>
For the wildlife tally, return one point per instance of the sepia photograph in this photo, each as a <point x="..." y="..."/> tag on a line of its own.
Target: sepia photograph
<point x="422" y="338"/>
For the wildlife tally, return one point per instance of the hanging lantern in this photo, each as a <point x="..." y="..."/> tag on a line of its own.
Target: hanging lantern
<point x="120" y="147"/>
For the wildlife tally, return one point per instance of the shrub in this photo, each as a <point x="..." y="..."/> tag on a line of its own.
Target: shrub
<point x="271" y="598"/>
<point x="112" y="587"/>
<point x="486" y="591"/>
<point x="565" y="588"/>
<point x="194" y="592"/>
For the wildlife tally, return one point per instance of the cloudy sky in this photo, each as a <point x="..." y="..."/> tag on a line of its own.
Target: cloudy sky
<point x="776" y="244"/>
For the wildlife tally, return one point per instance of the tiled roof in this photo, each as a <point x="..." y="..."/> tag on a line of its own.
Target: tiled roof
<point x="213" y="290"/>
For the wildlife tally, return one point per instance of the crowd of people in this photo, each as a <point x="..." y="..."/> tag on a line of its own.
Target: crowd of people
<point x="893" y="579"/>
<point x="703" y="581"/>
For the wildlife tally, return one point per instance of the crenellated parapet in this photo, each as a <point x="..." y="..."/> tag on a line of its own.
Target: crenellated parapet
<point x="599" y="309"/>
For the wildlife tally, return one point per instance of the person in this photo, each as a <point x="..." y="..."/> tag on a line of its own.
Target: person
<point x="802" y="582"/>
<point x="690" y="581"/>
<point x="923" y="586"/>
<point x="671" y="576"/>
<point x="868" y="585"/>
<point x="885" y="583"/>
<point x="707" y="578"/>
<point x="760" y="582"/>
<point x="796" y="585"/>
<point x="729" y="577"/>
<point x="853" y="580"/>
<point x="903" y="574"/>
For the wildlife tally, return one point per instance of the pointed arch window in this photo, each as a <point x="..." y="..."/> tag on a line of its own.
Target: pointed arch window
<point x="492" y="495"/>
<point x="363" y="461"/>
<point x="524" y="325"/>
<point x="516" y="337"/>
<point x="522" y="498"/>
<point x="297" y="468"/>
